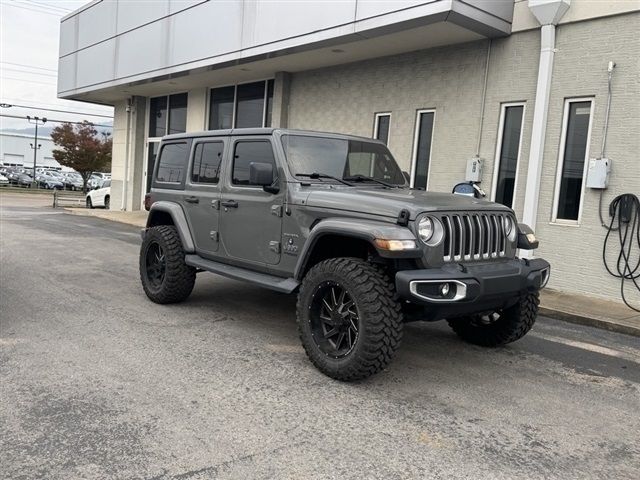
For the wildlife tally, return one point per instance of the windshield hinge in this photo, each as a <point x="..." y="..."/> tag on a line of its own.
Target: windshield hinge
<point x="276" y="210"/>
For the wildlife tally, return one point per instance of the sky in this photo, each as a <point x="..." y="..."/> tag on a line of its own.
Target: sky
<point x="29" y="39"/>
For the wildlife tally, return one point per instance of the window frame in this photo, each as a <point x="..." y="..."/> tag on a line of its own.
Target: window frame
<point x="166" y="127"/>
<point x="192" y="161"/>
<point x="414" y="153"/>
<point x="376" y="126"/>
<point x="235" y="102"/>
<point x="232" y="163"/>
<point x="172" y="185"/>
<point x="496" y="161"/>
<point x="561" y="153"/>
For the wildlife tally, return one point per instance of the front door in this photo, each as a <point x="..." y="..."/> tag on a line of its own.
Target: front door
<point x="201" y="201"/>
<point x="250" y="218"/>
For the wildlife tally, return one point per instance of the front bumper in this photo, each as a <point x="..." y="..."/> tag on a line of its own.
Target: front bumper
<point x="472" y="288"/>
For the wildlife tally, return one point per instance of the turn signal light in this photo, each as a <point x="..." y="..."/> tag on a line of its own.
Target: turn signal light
<point x="395" y="245"/>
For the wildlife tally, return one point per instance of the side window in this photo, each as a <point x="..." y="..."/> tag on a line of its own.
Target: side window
<point x="172" y="163"/>
<point x="206" y="162"/>
<point x="247" y="152"/>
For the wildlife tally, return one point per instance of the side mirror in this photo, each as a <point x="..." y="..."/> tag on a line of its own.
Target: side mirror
<point x="262" y="174"/>
<point x="526" y="238"/>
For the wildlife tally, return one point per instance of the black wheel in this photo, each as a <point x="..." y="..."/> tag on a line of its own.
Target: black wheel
<point x="89" y="203"/>
<point x="349" y="318"/>
<point x="500" y="327"/>
<point x="164" y="275"/>
<point x="107" y="202"/>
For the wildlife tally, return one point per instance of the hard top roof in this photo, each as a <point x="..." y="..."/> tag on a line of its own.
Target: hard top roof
<point x="262" y="131"/>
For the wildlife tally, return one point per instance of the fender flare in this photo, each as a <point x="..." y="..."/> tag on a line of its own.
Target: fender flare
<point x="368" y="230"/>
<point x="179" y="221"/>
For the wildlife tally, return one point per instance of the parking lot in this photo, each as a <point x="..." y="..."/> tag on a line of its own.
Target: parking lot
<point x="98" y="382"/>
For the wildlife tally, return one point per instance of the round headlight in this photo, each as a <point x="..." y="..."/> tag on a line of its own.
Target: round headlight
<point x="425" y="229"/>
<point x="508" y="224"/>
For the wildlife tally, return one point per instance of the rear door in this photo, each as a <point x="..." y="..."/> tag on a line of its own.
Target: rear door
<point x="250" y="218"/>
<point x="201" y="202"/>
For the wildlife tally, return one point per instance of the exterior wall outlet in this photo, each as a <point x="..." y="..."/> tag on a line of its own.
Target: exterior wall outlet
<point x="598" y="173"/>
<point x="474" y="169"/>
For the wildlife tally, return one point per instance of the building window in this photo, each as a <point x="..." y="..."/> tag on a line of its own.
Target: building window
<point x="165" y="121"/>
<point x="422" y="149"/>
<point x="206" y="162"/>
<point x="248" y="105"/>
<point x="381" y="127"/>
<point x="508" y="153"/>
<point x="574" y="150"/>
<point x="172" y="163"/>
<point x="247" y="152"/>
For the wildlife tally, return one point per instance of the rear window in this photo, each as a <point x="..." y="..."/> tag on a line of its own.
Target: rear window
<point x="172" y="163"/>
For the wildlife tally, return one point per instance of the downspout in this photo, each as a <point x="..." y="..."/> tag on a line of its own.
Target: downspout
<point x="548" y="13"/>
<point x="125" y="182"/>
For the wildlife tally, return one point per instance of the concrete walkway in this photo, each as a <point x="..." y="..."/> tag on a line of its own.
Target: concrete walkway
<point x="580" y="309"/>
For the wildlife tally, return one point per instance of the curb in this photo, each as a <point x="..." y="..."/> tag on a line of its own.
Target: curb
<point x="600" y="323"/>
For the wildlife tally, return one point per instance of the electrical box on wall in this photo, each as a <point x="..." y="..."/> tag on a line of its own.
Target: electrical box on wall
<point x="474" y="169"/>
<point x="598" y="172"/>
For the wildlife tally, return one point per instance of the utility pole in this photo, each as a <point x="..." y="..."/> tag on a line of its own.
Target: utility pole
<point x="35" y="146"/>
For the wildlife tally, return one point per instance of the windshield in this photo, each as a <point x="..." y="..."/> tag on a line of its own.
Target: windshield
<point x="341" y="158"/>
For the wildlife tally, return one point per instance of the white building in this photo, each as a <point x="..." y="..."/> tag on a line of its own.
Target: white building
<point x="16" y="149"/>
<point x="522" y="84"/>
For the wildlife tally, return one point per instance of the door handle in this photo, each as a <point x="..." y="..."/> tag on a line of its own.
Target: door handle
<point x="192" y="199"/>
<point x="230" y="204"/>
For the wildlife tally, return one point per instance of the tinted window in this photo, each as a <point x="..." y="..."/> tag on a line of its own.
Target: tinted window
<point x="158" y="117"/>
<point x="508" y="160"/>
<point x="382" y="128"/>
<point x="206" y="162"/>
<point x="423" y="149"/>
<point x="575" y="151"/>
<point x="178" y="113"/>
<point x="221" y="108"/>
<point x="247" y="152"/>
<point x="250" y="105"/>
<point x="173" y="163"/>
<point x="107" y="183"/>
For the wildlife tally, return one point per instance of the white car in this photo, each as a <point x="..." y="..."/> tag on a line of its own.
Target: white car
<point x="3" y="180"/>
<point x="100" y="197"/>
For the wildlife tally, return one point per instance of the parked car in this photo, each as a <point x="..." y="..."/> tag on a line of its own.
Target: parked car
<point x="21" y="180"/>
<point x="4" y="181"/>
<point x="332" y="218"/>
<point x="95" y="181"/>
<point x="100" y="197"/>
<point x="49" y="182"/>
<point x="72" y="181"/>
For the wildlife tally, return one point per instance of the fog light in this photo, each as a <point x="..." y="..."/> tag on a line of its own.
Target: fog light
<point x="444" y="289"/>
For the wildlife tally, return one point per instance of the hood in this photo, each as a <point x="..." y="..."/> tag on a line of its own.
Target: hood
<point x="389" y="202"/>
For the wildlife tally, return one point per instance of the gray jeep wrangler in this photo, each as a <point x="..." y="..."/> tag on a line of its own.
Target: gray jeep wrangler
<point x="332" y="218"/>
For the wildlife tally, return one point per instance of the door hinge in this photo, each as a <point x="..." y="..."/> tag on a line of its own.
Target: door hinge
<point x="214" y="235"/>
<point x="274" y="246"/>
<point x="215" y="204"/>
<point x="276" y="210"/>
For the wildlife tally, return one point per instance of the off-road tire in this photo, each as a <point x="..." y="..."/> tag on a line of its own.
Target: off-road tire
<point x="379" y="312"/>
<point x="179" y="278"/>
<point x="513" y="324"/>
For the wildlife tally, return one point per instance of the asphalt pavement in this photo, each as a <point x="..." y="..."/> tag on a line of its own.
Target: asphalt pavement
<point x="98" y="382"/>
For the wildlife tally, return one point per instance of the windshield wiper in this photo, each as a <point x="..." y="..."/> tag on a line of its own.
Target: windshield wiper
<point x="316" y="175"/>
<point x="361" y="178"/>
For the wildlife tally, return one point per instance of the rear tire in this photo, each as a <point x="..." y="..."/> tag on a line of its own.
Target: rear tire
<point x="89" y="203"/>
<point x="107" y="202"/>
<point x="367" y="315"/>
<point x="501" y="327"/>
<point x="165" y="276"/>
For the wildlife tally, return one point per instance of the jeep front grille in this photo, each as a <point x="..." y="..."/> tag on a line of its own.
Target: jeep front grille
<point x="473" y="236"/>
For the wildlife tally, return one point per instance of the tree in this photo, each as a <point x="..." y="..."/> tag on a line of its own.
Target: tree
<point x="82" y="149"/>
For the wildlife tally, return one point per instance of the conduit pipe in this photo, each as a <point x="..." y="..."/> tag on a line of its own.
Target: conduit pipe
<point x="548" y="13"/>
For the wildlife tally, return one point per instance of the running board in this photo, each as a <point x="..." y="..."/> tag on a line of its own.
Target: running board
<point x="279" y="284"/>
